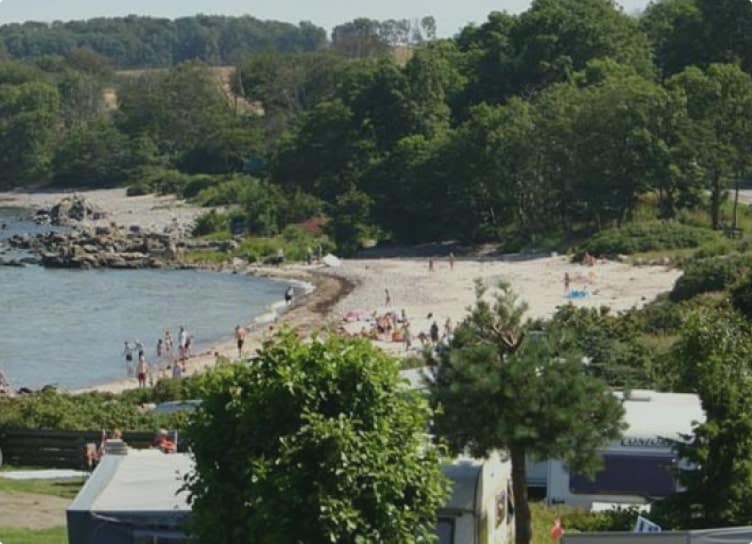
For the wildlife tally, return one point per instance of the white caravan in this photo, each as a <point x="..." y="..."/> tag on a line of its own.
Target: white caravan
<point x="481" y="507"/>
<point x="639" y="466"/>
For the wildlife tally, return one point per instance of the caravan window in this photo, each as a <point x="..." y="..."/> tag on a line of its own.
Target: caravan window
<point x="644" y="475"/>
<point x="445" y="531"/>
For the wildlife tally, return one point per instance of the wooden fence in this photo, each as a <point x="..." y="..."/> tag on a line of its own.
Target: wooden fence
<point x="57" y="449"/>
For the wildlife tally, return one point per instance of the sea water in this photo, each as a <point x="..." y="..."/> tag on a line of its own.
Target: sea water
<point x="67" y="327"/>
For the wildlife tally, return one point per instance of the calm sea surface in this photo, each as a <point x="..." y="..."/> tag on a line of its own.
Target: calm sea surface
<point x="67" y="327"/>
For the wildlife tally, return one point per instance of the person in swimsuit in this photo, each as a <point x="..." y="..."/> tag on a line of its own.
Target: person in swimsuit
<point x="128" y="354"/>
<point x="168" y="343"/>
<point x="289" y="294"/>
<point x="240" y="339"/>
<point x="142" y="370"/>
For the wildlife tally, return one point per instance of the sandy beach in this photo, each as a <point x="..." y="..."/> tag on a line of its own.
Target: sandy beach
<point x="445" y="293"/>
<point x="149" y="212"/>
<point x="358" y="285"/>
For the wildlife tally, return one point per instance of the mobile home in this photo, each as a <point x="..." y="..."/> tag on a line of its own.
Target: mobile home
<point x="638" y="467"/>
<point x="134" y="497"/>
<point x="481" y="507"/>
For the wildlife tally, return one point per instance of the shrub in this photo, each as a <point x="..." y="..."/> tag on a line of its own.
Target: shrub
<point x="741" y="295"/>
<point x="618" y="519"/>
<point x="648" y="236"/>
<point x="196" y="184"/>
<point x="211" y="222"/>
<point x="139" y="188"/>
<point x="86" y="412"/>
<point x="713" y="274"/>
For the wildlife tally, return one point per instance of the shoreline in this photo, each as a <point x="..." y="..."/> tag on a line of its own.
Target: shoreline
<point x="440" y="294"/>
<point x="309" y="311"/>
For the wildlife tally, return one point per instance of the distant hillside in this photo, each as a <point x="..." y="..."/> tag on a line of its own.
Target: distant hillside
<point x="145" y="42"/>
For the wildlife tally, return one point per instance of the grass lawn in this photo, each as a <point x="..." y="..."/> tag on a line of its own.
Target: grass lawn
<point x="66" y="489"/>
<point x="58" y="535"/>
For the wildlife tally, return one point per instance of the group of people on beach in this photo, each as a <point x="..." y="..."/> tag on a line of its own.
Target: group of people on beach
<point x="391" y="327"/>
<point x="168" y="357"/>
<point x="432" y="262"/>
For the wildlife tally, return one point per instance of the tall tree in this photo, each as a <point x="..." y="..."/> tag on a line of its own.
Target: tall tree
<point x="719" y="105"/>
<point x="499" y="389"/>
<point x="29" y="113"/>
<point x="674" y="28"/>
<point x="314" y="442"/>
<point x="712" y="359"/>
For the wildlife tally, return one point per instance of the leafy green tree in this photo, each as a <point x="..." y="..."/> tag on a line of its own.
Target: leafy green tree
<point x="674" y="28"/>
<point x="99" y="154"/>
<point x="360" y="38"/>
<point x="287" y="84"/>
<point x="712" y="359"/>
<point x="224" y="151"/>
<point x="28" y="115"/>
<point x="718" y="102"/>
<point x="500" y="387"/>
<point x="349" y="220"/>
<point x="313" y="442"/>
<point x="177" y="108"/>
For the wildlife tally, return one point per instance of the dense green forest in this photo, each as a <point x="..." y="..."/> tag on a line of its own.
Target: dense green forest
<point x="140" y="42"/>
<point x="567" y="119"/>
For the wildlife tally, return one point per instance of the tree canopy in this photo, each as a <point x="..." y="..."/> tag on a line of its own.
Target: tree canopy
<point x="139" y="42"/>
<point x="314" y="442"/>
<point x="502" y="386"/>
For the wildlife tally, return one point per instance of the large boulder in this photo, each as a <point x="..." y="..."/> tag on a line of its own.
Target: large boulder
<point x="73" y="209"/>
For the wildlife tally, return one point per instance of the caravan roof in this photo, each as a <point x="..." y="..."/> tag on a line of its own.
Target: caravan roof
<point x="142" y="480"/>
<point x="652" y="415"/>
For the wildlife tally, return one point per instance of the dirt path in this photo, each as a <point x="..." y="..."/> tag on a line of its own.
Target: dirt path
<point x="28" y="511"/>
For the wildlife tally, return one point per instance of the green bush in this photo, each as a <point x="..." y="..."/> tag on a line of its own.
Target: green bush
<point x="713" y="274"/>
<point x="211" y="223"/>
<point x="139" y="188"/>
<point x="91" y="411"/>
<point x="195" y="184"/>
<point x="618" y="519"/>
<point x="230" y="191"/>
<point x="648" y="236"/>
<point x="741" y="296"/>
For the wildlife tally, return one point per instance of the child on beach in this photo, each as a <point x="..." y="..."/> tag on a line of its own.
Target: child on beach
<point x="142" y="370"/>
<point x="240" y="339"/>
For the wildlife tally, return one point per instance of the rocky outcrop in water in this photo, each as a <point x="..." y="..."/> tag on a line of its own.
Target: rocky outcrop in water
<point x="70" y="211"/>
<point x="108" y="247"/>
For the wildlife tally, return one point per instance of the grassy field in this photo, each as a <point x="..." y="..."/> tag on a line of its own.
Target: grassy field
<point x="58" y="535"/>
<point x="66" y="489"/>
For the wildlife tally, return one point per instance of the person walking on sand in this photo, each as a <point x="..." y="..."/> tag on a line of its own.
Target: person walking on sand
<point x="188" y="344"/>
<point x="142" y="370"/>
<point x="430" y="264"/>
<point x="289" y="294"/>
<point x="567" y="282"/>
<point x="240" y="339"/>
<point x="407" y="337"/>
<point x="177" y="370"/>
<point x="448" y="328"/>
<point x="160" y="349"/>
<point x="168" y="343"/>
<point x="128" y="354"/>
<point x="434" y="332"/>
<point x="451" y="261"/>
<point x="182" y="341"/>
<point x="387" y="298"/>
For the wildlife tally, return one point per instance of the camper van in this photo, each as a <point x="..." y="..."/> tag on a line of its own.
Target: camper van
<point x="133" y="496"/>
<point x="638" y="467"/>
<point x="481" y="507"/>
